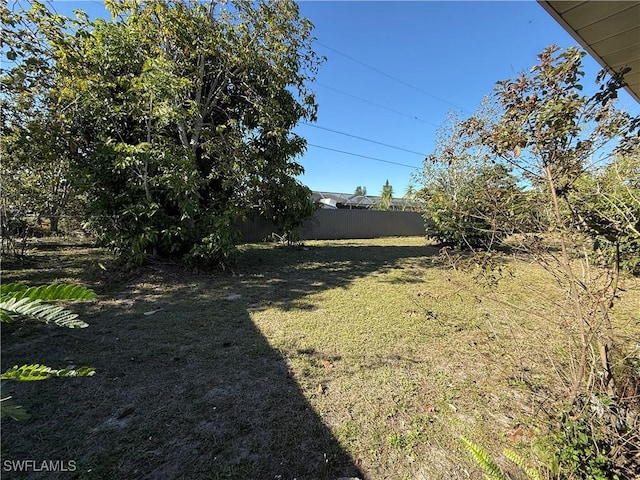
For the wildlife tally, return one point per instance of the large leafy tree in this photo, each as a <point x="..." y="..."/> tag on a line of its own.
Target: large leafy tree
<point x="555" y="139"/>
<point x="182" y="112"/>
<point x="36" y="157"/>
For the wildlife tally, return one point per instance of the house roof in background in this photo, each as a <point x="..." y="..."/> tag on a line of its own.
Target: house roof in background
<point x="608" y="30"/>
<point x="361" y="201"/>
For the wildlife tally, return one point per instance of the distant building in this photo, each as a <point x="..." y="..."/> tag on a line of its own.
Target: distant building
<point x="334" y="201"/>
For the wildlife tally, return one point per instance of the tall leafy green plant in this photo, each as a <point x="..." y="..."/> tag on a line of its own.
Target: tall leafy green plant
<point x="178" y="114"/>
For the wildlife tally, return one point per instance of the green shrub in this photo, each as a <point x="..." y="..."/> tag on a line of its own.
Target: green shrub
<point x="468" y="206"/>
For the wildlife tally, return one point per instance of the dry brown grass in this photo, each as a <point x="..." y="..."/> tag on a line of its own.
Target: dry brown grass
<point x="343" y="358"/>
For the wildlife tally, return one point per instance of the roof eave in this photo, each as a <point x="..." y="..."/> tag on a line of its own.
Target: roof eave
<point x="583" y="43"/>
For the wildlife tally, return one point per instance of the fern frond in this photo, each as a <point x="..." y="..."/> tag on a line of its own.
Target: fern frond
<point x="483" y="459"/>
<point x="29" y="373"/>
<point x="46" y="293"/>
<point x="531" y="472"/>
<point x="9" y="409"/>
<point x="12" y="288"/>
<point x="5" y="316"/>
<point x="43" y="312"/>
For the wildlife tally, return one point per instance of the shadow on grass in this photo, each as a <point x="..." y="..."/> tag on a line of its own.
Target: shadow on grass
<point x="186" y="385"/>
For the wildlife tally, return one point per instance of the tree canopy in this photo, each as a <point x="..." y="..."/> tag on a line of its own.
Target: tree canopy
<point x="542" y="129"/>
<point x="176" y="117"/>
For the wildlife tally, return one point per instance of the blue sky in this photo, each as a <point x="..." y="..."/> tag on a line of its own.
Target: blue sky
<point x="451" y="52"/>
<point x="444" y="56"/>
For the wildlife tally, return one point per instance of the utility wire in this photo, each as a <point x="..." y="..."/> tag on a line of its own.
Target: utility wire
<point x="413" y="117"/>
<point x="362" y="138"/>
<point x="363" y="156"/>
<point x="390" y="76"/>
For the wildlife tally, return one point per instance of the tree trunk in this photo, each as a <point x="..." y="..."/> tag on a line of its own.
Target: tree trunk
<point x="54" y="222"/>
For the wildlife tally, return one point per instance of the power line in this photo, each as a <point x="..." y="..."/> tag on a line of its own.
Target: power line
<point x="364" y="139"/>
<point x="377" y="70"/>
<point x="413" y="117"/>
<point x="363" y="156"/>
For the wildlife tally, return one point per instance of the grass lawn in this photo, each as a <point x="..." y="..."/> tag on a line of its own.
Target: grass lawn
<point x="340" y="359"/>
